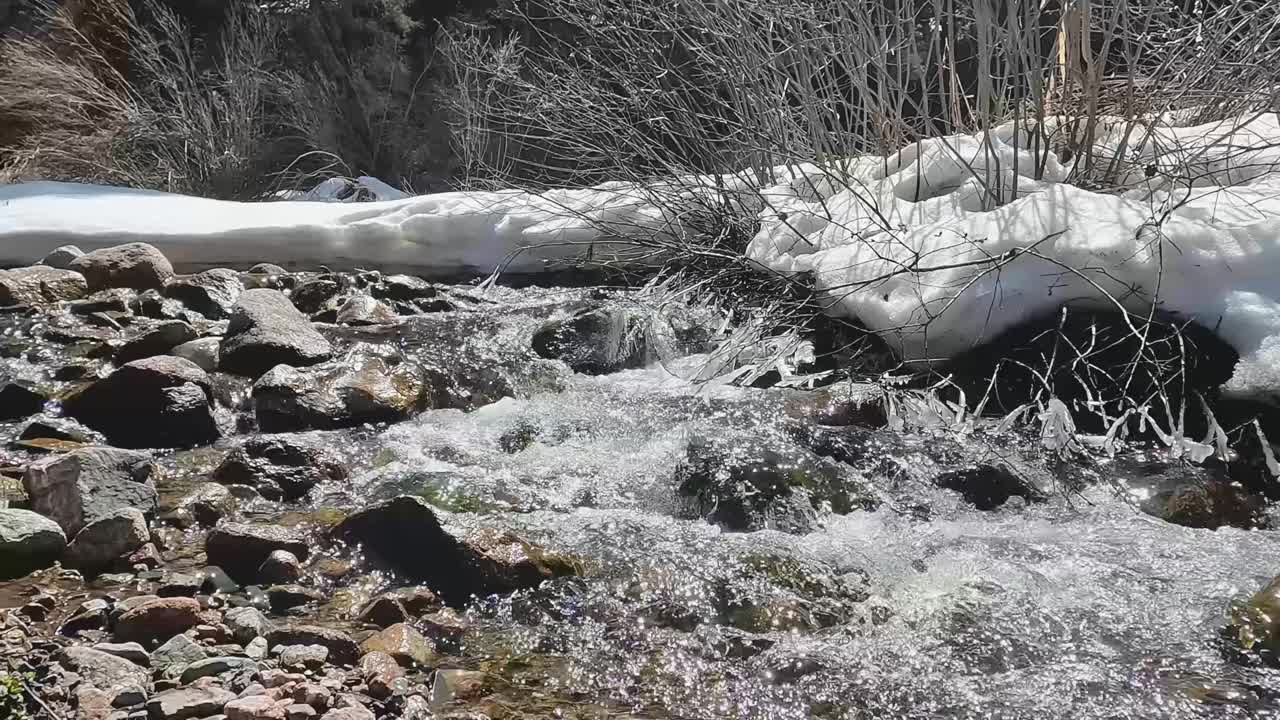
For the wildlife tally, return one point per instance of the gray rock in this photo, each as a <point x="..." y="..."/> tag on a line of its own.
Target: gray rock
<point x="298" y="711"/>
<point x="89" y="484"/>
<point x="303" y="657"/>
<point x="158" y="620"/>
<point x="381" y="674"/>
<point x="28" y="541"/>
<point x="267" y="269"/>
<point x="201" y="351"/>
<point x="266" y="330"/>
<point x="240" y="548"/>
<point x="366" y="385"/>
<point x="315" y="294"/>
<point x="107" y="539"/>
<point x="286" y="597"/>
<point x="103" y="670"/>
<point x="19" y="400"/>
<point x="161" y="401"/>
<point x="403" y="287"/>
<point x="355" y="712"/>
<point x="246" y="624"/>
<point x="132" y="651"/>
<point x="40" y="284"/>
<point x="155" y="339"/>
<point x="364" y="310"/>
<point x="175" y="655"/>
<point x="61" y="257"/>
<point x="216" y="666"/>
<point x="342" y="649"/>
<point x="91" y="615"/>
<point x="151" y="304"/>
<point x="256" y="649"/>
<point x="208" y="503"/>
<point x="211" y="293"/>
<point x="595" y="342"/>
<point x="280" y="568"/>
<point x="185" y="703"/>
<point x="281" y="466"/>
<point x="133" y="265"/>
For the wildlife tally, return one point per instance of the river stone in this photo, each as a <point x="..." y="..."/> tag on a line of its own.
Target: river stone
<point x="246" y="624"/>
<point x="208" y="503"/>
<point x="212" y="293"/>
<point x="241" y="548"/>
<point x="450" y="685"/>
<point x="1254" y="624"/>
<point x="154" y="339"/>
<point x="367" y="385"/>
<point x="987" y="487"/>
<point x="103" y="670"/>
<point x="255" y="707"/>
<point x="175" y="655"/>
<point x="201" y="351"/>
<point x="355" y="712"/>
<point x="266" y="330"/>
<point x="191" y="702"/>
<point x="402" y="642"/>
<point x="161" y="401"/>
<point x="19" y="400"/>
<point x="402" y="287"/>
<point x="151" y="304"/>
<point x="61" y="256"/>
<point x="158" y="620"/>
<point x="315" y="294"/>
<point x="381" y="673"/>
<point x="364" y="310"/>
<point x="280" y="568"/>
<point x="28" y="541"/>
<point x="89" y="484"/>
<point x="309" y="657"/>
<point x="342" y="649"/>
<point x="287" y="597"/>
<point x="107" y="540"/>
<point x="40" y="284"/>
<point x="264" y="268"/>
<point x="133" y="652"/>
<point x="281" y="466"/>
<point x="133" y="265"/>
<point x="216" y="666"/>
<point x="595" y="342"/>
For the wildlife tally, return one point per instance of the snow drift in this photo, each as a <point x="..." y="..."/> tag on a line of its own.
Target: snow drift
<point x="937" y="248"/>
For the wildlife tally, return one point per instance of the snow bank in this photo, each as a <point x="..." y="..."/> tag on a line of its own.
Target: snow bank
<point x="914" y="248"/>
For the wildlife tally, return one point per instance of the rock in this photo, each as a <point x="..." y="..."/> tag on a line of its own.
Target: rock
<point x="383" y="611"/>
<point x="446" y="628"/>
<point x="28" y="541"/>
<point x="176" y="584"/>
<point x="155" y="339"/>
<point x="114" y="300"/>
<point x="987" y="487"/>
<point x="303" y="657"/>
<point x="246" y="624"/>
<point x="314" y="694"/>
<point x="381" y="674"/>
<point x="405" y="534"/>
<point x="342" y="649"/>
<point x="240" y="548"/>
<point x="256" y="649"/>
<point x="147" y="556"/>
<point x="403" y="287"/>
<point x="212" y="293"/>
<point x="103" y="670"/>
<point x="133" y="652"/>
<point x="61" y="256"/>
<point x="158" y="620"/>
<point x="40" y="284"/>
<point x="364" y="310"/>
<point x="191" y="702"/>
<point x="255" y="707"/>
<point x="595" y="342"/>
<point x="91" y="615"/>
<point x="281" y="466"/>
<point x="313" y="295"/>
<point x="208" y="503"/>
<point x="280" y="568"/>
<point x="175" y="655"/>
<point x="201" y="351"/>
<point x="87" y="485"/>
<point x="19" y="400"/>
<point x="108" y="539"/>
<point x="161" y="401"/>
<point x="298" y="711"/>
<point x="267" y="269"/>
<point x="265" y="330"/>
<point x="1254" y="624"/>
<point x="367" y="385"/>
<point x="92" y="703"/>
<point x="287" y="597"/>
<point x="451" y="685"/>
<point x="215" y="580"/>
<point x="357" y="712"/>
<point x="133" y="265"/>
<point x="403" y="643"/>
<point x="151" y="304"/>
<point x="214" y="666"/>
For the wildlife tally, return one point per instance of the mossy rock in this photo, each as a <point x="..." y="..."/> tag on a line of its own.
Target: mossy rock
<point x="1254" y="624"/>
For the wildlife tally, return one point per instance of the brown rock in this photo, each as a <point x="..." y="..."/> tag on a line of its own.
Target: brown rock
<point x="255" y="707"/>
<point x="381" y="674"/>
<point x="402" y="642"/>
<point x="158" y="620"/>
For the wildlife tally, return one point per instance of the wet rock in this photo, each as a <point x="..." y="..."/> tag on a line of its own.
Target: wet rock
<point x="28" y="541"/>
<point x="212" y="293"/>
<point x="87" y="485"/>
<point x="303" y="657"/>
<point x="161" y="401"/>
<point x="281" y="466"/>
<point x="280" y="568"/>
<point x="19" y="400"/>
<point x="287" y="597"/>
<point x="1254" y="624"/>
<point x="103" y="670"/>
<point x="1193" y="496"/>
<point x="367" y="385"/>
<point x="399" y="606"/>
<point x="201" y="351"/>
<point x="134" y="265"/>
<point x="175" y="654"/>
<point x="59" y="428"/>
<point x="594" y="342"/>
<point x="240" y="548"/>
<point x="106" y="540"/>
<point x="133" y="652"/>
<point x="446" y="628"/>
<point x="158" y="620"/>
<point x="115" y="301"/>
<point x="405" y="534"/>
<point x="214" y="579"/>
<point x="451" y="685"/>
<point x="402" y="287"/>
<point x="255" y="707"/>
<point x="402" y="642"/>
<point x="151" y="304"/>
<point x="147" y="556"/>
<point x="155" y="339"/>
<point x="61" y="256"/>
<point x="364" y="310"/>
<point x="187" y="703"/>
<point x="246" y="624"/>
<point x="266" y="330"/>
<point x="175" y="584"/>
<point x="208" y="503"/>
<point x="91" y="615"/>
<point x="40" y="284"/>
<point x="342" y="649"/>
<point x="214" y="666"/>
<point x="314" y="295"/>
<point x="381" y="673"/>
<point x="987" y="487"/>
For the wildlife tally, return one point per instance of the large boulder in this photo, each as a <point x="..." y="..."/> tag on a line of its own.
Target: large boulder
<point x="367" y="385"/>
<point x="241" y="548"/>
<point x="266" y="330"/>
<point x="28" y="541"/>
<point x="106" y="540"/>
<point x="212" y="293"/>
<point x="161" y="401"/>
<point x="132" y="265"/>
<point x="281" y="466"/>
<point x="40" y="284"/>
<point x="87" y="485"/>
